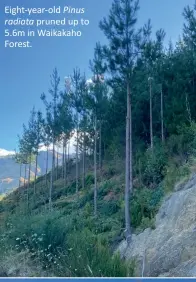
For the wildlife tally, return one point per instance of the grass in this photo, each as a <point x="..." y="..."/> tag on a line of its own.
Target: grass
<point x="69" y="241"/>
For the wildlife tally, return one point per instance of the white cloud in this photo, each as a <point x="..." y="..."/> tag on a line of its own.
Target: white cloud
<point x="89" y="81"/>
<point x="60" y="147"/>
<point x="4" y="153"/>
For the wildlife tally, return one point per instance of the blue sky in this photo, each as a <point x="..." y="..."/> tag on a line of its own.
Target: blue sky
<point x="25" y="72"/>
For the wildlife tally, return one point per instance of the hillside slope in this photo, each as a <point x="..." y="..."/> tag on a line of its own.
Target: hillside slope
<point x="10" y="170"/>
<point x="70" y="241"/>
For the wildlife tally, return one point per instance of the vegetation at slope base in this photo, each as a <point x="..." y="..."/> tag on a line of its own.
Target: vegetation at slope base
<point x="69" y="240"/>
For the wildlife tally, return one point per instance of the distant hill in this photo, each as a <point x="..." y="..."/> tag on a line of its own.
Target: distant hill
<point x="10" y="170"/>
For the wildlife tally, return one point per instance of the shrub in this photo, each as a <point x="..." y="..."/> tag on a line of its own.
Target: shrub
<point x="183" y="143"/>
<point x="174" y="173"/>
<point x="109" y="207"/>
<point x="89" y="180"/>
<point x="155" y="163"/>
<point x="144" y="206"/>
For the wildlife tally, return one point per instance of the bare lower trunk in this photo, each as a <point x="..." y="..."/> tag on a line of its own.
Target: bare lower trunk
<point x="140" y="173"/>
<point x="65" y="165"/>
<point x="162" y="124"/>
<point x="25" y="174"/>
<point x="46" y="166"/>
<point x="57" y="163"/>
<point x="104" y="150"/>
<point x="35" y="174"/>
<point x="51" y="177"/>
<point x="83" y="163"/>
<point x="28" y="184"/>
<point x="131" y="150"/>
<point x="128" y="179"/>
<point x="95" y="169"/>
<point x="100" y="149"/>
<point x="20" y="173"/>
<point x="77" y="161"/>
<point x="63" y="161"/>
<point x="188" y="108"/>
<point x="29" y="177"/>
<point x="68" y="157"/>
<point x="54" y="163"/>
<point x="151" y="130"/>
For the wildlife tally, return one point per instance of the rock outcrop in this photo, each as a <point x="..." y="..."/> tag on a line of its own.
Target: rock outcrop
<point x="170" y="249"/>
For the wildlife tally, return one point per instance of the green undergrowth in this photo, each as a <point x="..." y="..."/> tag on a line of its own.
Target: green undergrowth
<point x="69" y="240"/>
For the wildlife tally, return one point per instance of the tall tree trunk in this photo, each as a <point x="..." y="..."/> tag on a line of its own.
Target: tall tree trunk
<point x="54" y="162"/>
<point x="63" y="160"/>
<point x="25" y="174"/>
<point x="28" y="183"/>
<point x="162" y="121"/>
<point x="20" y="174"/>
<point x="29" y="177"/>
<point x="68" y="165"/>
<point x="128" y="165"/>
<point x="151" y="130"/>
<point x="100" y="148"/>
<point x="77" y="160"/>
<point x="46" y="166"/>
<point x="51" y="177"/>
<point x="188" y="108"/>
<point x="57" y="163"/>
<point x="140" y="173"/>
<point x="35" y="173"/>
<point x="95" y="169"/>
<point x="65" y="164"/>
<point x="83" y="162"/>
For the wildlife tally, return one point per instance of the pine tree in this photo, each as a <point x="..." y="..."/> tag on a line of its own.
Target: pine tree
<point x="66" y="128"/>
<point x="53" y="122"/>
<point x="121" y="53"/>
<point x="38" y="138"/>
<point x="96" y="101"/>
<point x="76" y="103"/>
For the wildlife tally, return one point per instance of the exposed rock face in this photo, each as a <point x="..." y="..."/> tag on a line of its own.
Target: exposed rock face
<point x="170" y="249"/>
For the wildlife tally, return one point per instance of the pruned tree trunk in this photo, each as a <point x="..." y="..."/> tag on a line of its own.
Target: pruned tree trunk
<point x="95" y="169"/>
<point x="57" y="163"/>
<point x="29" y="177"/>
<point x="35" y="174"/>
<point x="83" y="162"/>
<point x="25" y="174"/>
<point x="128" y="178"/>
<point x="162" y="120"/>
<point x="63" y="160"/>
<point x="77" y="160"/>
<point x="28" y="183"/>
<point x="188" y="108"/>
<point x="68" y="157"/>
<point x="140" y="173"/>
<point x="128" y="165"/>
<point x="51" y="177"/>
<point x="20" y="174"/>
<point x="100" y="148"/>
<point x="46" y="166"/>
<point x="151" y="130"/>
<point x="65" y="164"/>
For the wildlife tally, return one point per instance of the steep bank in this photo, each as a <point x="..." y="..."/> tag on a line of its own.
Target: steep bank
<point x="170" y="249"/>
